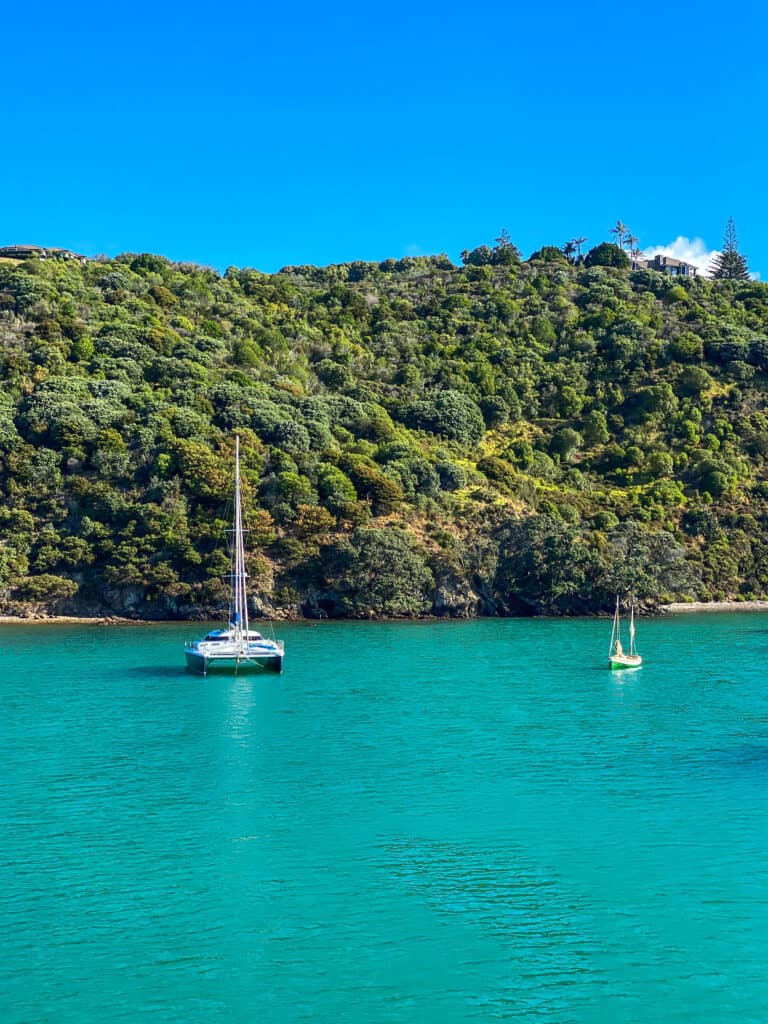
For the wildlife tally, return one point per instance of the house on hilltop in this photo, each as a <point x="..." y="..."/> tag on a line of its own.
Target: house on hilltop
<point x="666" y="265"/>
<point x="40" y="252"/>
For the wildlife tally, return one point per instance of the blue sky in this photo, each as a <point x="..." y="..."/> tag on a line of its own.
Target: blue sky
<point x="263" y="135"/>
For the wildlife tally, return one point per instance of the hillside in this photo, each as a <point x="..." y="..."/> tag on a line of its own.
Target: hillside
<point x="503" y="437"/>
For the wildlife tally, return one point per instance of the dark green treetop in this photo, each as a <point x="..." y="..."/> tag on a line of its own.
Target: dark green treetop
<point x="730" y="264"/>
<point x="606" y="255"/>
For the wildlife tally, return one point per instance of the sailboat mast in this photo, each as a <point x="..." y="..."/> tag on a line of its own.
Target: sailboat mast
<point x="632" y="628"/>
<point x="615" y="632"/>
<point x="239" y="573"/>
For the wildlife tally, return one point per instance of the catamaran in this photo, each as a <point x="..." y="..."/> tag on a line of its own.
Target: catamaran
<point x="237" y="646"/>
<point x="617" y="656"/>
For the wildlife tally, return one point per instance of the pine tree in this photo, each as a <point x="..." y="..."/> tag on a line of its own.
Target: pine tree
<point x="730" y="264"/>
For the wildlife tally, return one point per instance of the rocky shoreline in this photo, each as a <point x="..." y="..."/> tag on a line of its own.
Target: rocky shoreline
<point x="681" y="607"/>
<point x="42" y="618"/>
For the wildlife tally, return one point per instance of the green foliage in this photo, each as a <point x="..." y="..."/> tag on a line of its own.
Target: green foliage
<point x="495" y="410"/>
<point x="336" y="489"/>
<point x="557" y="567"/>
<point x="566" y="441"/>
<point x="693" y="381"/>
<point x="381" y="571"/>
<point x="451" y="476"/>
<point x="647" y="564"/>
<point x="384" y="493"/>
<point x="685" y="348"/>
<point x="729" y="264"/>
<point x="549" y="254"/>
<point x="544" y="566"/>
<point x="449" y="414"/>
<point x="607" y="255"/>
<point x="595" y="428"/>
<point x="203" y="474"/>
<point x="44" y="589"/>
<point x="504" y="253"/>
<point x="529" y="429"/>
<point x="499" y="471"/>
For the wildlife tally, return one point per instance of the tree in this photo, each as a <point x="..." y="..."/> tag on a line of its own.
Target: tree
<point x="645" y="563"/>
<point x="566" y="441"/>
<point x="479" y="257"/>
<point x="337" y="491"/>
<point x="620" y="230"/>
<point x="450" y="413"/>
<point x="45" y="588"/>
<point x="504" y="252"/>
<point x="499" y="471"/>
<point x="692" y="381"/>
<point x="633" y="248"/>
<point x="569" y="250"/>
<point x="384" y="493"/>
<point x="311" y="520"/>
<point x="545" y="566"/>
<point x="200" y="469"/>
<point x="549" y="254"/>
<point x="606" y="255"/>
<point x="495" y="410"/>
<point x="578" y="242"/>
<point x="381" y="570"/>
<point x="729" y="264"/>
<point x="595" y="428"/>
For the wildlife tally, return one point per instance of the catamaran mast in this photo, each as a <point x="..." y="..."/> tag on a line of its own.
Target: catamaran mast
<point x="239" y="575"/>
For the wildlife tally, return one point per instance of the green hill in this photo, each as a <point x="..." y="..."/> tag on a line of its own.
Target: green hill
<point x="503" y="437"/>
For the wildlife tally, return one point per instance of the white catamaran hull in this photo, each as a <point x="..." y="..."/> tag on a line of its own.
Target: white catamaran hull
<point x="257" y="656"/>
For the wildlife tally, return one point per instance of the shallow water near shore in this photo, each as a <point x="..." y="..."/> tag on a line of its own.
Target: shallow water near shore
<point x="435" y="822"/>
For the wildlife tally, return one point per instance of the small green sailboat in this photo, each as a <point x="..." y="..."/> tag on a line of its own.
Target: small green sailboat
<point x="617" y="656"/>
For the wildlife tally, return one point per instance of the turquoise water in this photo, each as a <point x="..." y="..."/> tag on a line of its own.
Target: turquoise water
<point x="416" y="822"/>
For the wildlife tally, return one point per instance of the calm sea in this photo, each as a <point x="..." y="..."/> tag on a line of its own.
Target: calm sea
<point x="429" y="823"/>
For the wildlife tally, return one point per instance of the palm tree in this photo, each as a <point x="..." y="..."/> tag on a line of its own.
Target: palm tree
<point x="569" y="249"/>
<point x="620" y="230"/>
<point x="634" y="249"/>
<point x="578" y="242"/>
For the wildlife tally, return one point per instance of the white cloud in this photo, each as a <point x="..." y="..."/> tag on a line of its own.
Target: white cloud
<point x="691" y="250"/>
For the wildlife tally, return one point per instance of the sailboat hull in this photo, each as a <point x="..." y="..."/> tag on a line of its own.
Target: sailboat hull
<point x="618" y="658"/>
<point x="624" y="661"/>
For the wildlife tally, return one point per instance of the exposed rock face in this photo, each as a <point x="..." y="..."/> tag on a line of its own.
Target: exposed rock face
<point x="321" y="605"/>
<point x="453" y="597"/>
<point x="125" y="599"/>
<point x="457" y="599"/>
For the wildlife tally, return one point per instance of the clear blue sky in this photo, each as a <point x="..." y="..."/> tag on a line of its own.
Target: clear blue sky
<point x="266" y="134"/>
